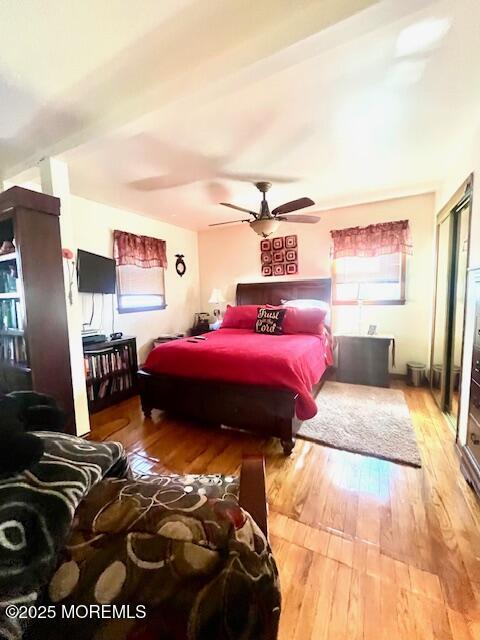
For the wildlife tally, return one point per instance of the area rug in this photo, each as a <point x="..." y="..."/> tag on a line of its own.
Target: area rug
<point x="369" y="420"/>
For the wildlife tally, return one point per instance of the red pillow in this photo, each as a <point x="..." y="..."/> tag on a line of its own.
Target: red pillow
<point x="303" y="320"/>
<point x="242" y="317"/>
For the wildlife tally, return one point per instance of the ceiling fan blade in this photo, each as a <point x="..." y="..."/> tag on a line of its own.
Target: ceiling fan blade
<point x="158" y="182"/>
<point x="301" y="203"/>
<point x="299" y="218"/>
<point x="217" y="224"/>
<point x="216" y="191"/>
<point x="234" y="206"/>
<point x="250" y="177"/>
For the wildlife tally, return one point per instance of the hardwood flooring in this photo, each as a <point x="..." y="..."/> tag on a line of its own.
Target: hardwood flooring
<point x="366" y="549"/>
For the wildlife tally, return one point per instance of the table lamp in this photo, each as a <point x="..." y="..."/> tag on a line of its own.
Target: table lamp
<point x="216" y="298"/>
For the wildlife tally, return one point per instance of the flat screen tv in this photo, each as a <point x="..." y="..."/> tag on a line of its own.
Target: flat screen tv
<point x="96" y="274"/>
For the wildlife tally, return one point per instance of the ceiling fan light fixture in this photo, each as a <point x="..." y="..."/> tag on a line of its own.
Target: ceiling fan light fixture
<point x="265" y="227"/>
<point x="267" y="222"/>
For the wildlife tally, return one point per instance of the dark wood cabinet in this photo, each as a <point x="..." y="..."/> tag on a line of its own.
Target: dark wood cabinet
<point x="470" y="463"/>
<point x="363" y="359"/>
<point x="34" y="346"/>
<point x="473" y="443"/>
<point x="111" y="372"/>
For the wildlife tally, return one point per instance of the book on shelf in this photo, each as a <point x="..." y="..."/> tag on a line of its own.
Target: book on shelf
<point x="12" y="342"/>
<point x="9" y="278"/>
<point x="12" y="349"/>
<point x="108" y="371"/>
<point x="12" y="314"/>
<point x="102" y="388"/>
<point x="19" y="314"/>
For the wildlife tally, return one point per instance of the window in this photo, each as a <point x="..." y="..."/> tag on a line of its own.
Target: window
<point x="141" y="263"/>
<point x="369" y="263"/>
<point x="140" y="289"/>
<point x="371" y="279"/>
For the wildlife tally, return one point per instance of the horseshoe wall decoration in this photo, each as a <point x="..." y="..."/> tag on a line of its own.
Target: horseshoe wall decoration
<point x="180" y="265"/>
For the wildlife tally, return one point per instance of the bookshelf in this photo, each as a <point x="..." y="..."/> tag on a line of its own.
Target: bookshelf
<point x="12" y="336"/>
<point x="34" y="347"/>
<point x="110" y="372"/>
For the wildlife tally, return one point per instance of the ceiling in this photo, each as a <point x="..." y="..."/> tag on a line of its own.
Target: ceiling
<point x="343" y="101"/>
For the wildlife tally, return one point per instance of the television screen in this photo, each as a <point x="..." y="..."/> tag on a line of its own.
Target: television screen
<point x="96" y="274"/>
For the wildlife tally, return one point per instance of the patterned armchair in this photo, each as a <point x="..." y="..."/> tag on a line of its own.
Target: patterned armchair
<point x="158" y="557"/>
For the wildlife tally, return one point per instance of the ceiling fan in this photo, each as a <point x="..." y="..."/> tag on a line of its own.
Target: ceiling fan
<point x="266" y="222"/>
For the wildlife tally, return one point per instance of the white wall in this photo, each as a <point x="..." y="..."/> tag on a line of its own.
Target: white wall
<point x="93" y="231"/>
<point x="229" y="255"/>
<point x="55" y="181"/>
<point x="90" y="227"/>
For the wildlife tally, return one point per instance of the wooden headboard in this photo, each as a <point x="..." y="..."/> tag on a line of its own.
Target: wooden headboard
<point x="275" y="292"/>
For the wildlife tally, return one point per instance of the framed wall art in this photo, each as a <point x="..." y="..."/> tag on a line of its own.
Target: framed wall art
<point x="279" y="256"/>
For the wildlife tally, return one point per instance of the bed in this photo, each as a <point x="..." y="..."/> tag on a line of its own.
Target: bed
<point x="223" y="388"/>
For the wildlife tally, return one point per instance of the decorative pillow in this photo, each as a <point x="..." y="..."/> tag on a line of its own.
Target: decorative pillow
<point x="241" y="317"/>
<point x="269" y="320"/>
<point x="302" y="320"/>
<point x="310" y="304"/>
<point x="179" y="546"/>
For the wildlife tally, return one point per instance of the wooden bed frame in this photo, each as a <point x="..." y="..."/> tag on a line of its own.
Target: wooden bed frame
<point x="264" y="410"/>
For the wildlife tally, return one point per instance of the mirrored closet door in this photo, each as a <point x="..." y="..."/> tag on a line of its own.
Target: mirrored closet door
<point x="453" y="229"/>
<point x="444" y="234"/>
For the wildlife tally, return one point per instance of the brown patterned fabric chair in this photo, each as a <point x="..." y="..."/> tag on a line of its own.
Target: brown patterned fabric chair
<point x="167" y="557"/>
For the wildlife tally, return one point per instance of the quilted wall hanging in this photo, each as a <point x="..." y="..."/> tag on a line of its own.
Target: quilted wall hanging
<point x="279" y="256"/>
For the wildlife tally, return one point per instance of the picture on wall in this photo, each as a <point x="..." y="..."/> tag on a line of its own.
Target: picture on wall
<point x="279" y="256"/>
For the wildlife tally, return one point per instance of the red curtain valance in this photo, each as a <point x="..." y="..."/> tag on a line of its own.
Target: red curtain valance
<point x="374" y="240"/>
<point x="141" y="251"/>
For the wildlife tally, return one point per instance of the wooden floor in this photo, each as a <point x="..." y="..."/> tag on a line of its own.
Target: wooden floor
<point x="365" y="548"/>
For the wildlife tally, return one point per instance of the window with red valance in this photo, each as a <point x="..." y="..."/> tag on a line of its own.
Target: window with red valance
<point x="141" y="263"/>
<point x="369" y="263"/>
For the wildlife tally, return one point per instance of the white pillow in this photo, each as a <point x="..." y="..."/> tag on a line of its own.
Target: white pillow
<point x="310" y="304"/>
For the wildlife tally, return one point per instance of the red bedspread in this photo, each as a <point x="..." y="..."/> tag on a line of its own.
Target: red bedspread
<point x="294" y="362"/>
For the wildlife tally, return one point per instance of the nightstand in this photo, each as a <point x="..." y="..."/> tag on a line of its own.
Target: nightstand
<point x="199" y="329"/>
<point x="363" y="359"/>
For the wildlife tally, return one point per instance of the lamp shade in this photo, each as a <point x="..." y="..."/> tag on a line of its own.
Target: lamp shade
<point x="216" y="297"/>
<point x="265" y="226"/>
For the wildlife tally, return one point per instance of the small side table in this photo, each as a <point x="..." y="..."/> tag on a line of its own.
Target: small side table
<point x="363" y="359"/>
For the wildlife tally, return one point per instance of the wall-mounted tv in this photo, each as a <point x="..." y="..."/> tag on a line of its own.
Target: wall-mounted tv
<point x="96" y="274"/>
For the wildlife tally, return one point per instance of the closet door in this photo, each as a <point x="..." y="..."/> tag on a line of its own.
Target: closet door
<point x="439" y="359"/>
<point x="459" y="276"/>
<point x="453" y="230"/>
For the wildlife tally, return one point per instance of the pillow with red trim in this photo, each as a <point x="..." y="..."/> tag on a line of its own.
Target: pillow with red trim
<point x="303" y="320"/>
<point x="242" y="317"/>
